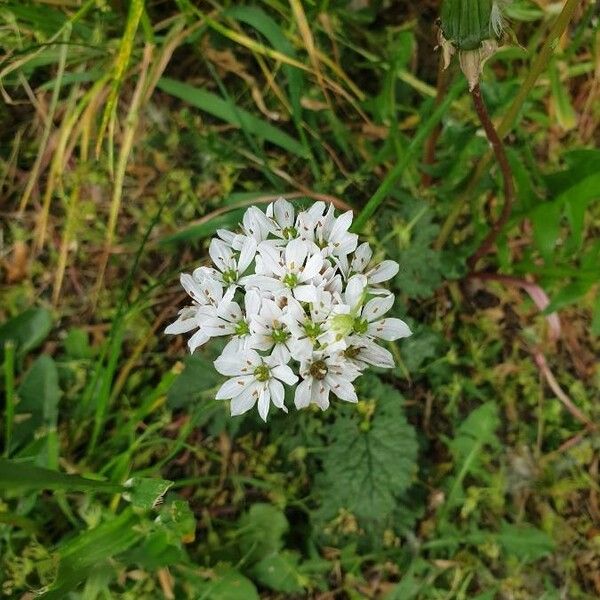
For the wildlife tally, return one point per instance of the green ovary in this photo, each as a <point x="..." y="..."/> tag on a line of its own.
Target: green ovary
<point x="262" y="373"/>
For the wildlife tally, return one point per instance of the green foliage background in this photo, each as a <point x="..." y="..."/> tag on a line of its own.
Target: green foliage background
<point x="130" y="132"/>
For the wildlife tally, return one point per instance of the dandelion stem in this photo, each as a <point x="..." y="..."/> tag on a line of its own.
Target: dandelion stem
<point x="509" y="188"/>
<point x="511" y="116"/>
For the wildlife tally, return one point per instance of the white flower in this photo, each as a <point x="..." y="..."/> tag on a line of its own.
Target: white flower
<point x="207" y="294"/>
<point x="287" y="271"/>
<point x="295" y="297"/>
<point x="379" y="273"/>
<point x="255" y="228"/>
<point x="363" y="351"/>
<point x="332" y="234"/>
<point x="230" y="265"/>
<point x="283" y="221"/>
<point x="229" y="319"/>
<point x="321" y="374"/>
<point x="254" y="379"/>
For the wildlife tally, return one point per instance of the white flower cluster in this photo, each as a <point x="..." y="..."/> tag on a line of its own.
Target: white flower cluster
<point x="300" y="303"/>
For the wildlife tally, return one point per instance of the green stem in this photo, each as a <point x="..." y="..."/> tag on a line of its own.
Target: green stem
<point x="511" y="115"/>
<point x="392" y="177"/>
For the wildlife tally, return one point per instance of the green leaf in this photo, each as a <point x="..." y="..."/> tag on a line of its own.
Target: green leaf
<point x="546" y="219"/>
<point x="224" y="110"/>
<point x="257" y="18"/>
<point x="477" y="431"/>
<point x="198" y="376"/>
<point x="568" y="295"/>
<point x="524" y="541"/>
<point x="20" y="476"/>
<point x="27" y="330"/>
<point x="77" y="344"/>
<point x="262" y="529"/>
<point x="177" y="517"/>
<point x="229" y="585"/>
<point x="203" y="230"/>
<point x="367" y="465"/>
<point x="146" y="493"/>
<point x="37" y="409"/>
<point x="91" y="550"/>
<point x="565" y="114"/>
<point x="280" y="572"/>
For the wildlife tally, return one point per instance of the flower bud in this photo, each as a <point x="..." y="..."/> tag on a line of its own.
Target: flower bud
<point x="472" y="28"/>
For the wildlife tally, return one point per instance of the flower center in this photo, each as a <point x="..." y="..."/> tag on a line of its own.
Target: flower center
<point x="230" y="276"/>
<point x="289" y="233"/>
<point x="352" y="352"/>
<point x="360" y="326"/>
<point x="318" y="369"/>
<point x="262" y="373"/>
<point x="280" y="335"/>
<point x="242" y="328"/>
<point x="312" y="330"/>
<point x="290" y="280"/>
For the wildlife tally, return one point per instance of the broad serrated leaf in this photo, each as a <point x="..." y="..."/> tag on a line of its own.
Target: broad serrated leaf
<point x="177" y="517"/>
<point x="146" y="493"/>
<point x="367" y="465"/>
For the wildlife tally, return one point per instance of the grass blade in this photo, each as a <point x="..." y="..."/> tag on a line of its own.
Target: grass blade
<point x="216" y="106"/>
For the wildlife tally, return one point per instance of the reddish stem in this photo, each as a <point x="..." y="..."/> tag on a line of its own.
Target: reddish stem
<point x="502" y="159"/>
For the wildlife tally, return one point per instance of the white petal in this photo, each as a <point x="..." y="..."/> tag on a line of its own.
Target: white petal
<point x="377" y="307"/>
<point x="361" y="259"/>
<point x="306" y="293"/>
<point x="342" y="388"/>
<point x="246" y="400"/>
<point x="277" y="394"/>
<point x="284" y="213"/>
<point x="316" y="210"/>
<point x="262" y="283"/>
<point x="295" y="255"/>
<point x="252" y="302"/>
<point x="341" y="225"/>
<point x="320" y="394"/>
<point x="383" y="271"/>
<point x="303" y="392"/>
<point x="264" y="401"/>
<point x="312" y="268"/>
<point x="246" y="255"/>
<point x="375" y="355"/>
<point x="226" y="235"/>
<point x="230" y="311"/>
<point x="284" y="373"/>
<point x="272" y="262"/>
<point x="197" y="340"/>
<point x="389" y="329"/>
<point x="220" y="254"/>
<point x="229" y="363"/>
<point x="354" y="290"/>
<point x="215" y="327"/>
<point x="186" y="322"/>
<point x="191" y="286"/>
<point x="234" y="387"/>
